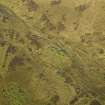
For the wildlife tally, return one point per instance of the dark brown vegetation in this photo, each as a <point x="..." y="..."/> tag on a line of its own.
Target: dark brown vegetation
<point x="31" y="5"/>
<point x="55" y="2"/>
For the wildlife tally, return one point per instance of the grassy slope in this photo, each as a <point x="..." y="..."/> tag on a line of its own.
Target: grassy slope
<point x="61" y="66"/>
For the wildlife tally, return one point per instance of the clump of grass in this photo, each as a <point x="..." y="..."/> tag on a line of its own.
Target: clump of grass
<point x="15" y="95"/>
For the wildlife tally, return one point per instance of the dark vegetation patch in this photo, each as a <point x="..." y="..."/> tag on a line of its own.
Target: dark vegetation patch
<point x="16" y="61"/>
<point x="22" y="40"/>
<point x="72" y="102"/>
<point x="44" y="17"/>
<point x="35" y="40"/>
<point x="93" y="37"/>
<point x="54" y="99"/>
<point x="11" y="49"/>
<point x="56" y="2"/>
<point x="4" y="18"/>
<point x="3" y="40"/>
<point x="8" y="34"/>
<point x="3" y="43"/>
<point x="95" y="102"/>
<point x="76" y="25"/>
<point x="68" y="80"/>
<point x="47" y="23"/>
<point x="31" y="5"/>
<point x="101" y="51"/>
<point x="81" y="8"/>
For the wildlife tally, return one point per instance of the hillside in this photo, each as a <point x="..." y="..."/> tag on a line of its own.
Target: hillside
<point x="52" y="52"/>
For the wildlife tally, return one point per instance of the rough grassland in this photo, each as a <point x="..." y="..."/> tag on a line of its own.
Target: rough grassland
<point x="52" y="52"/>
